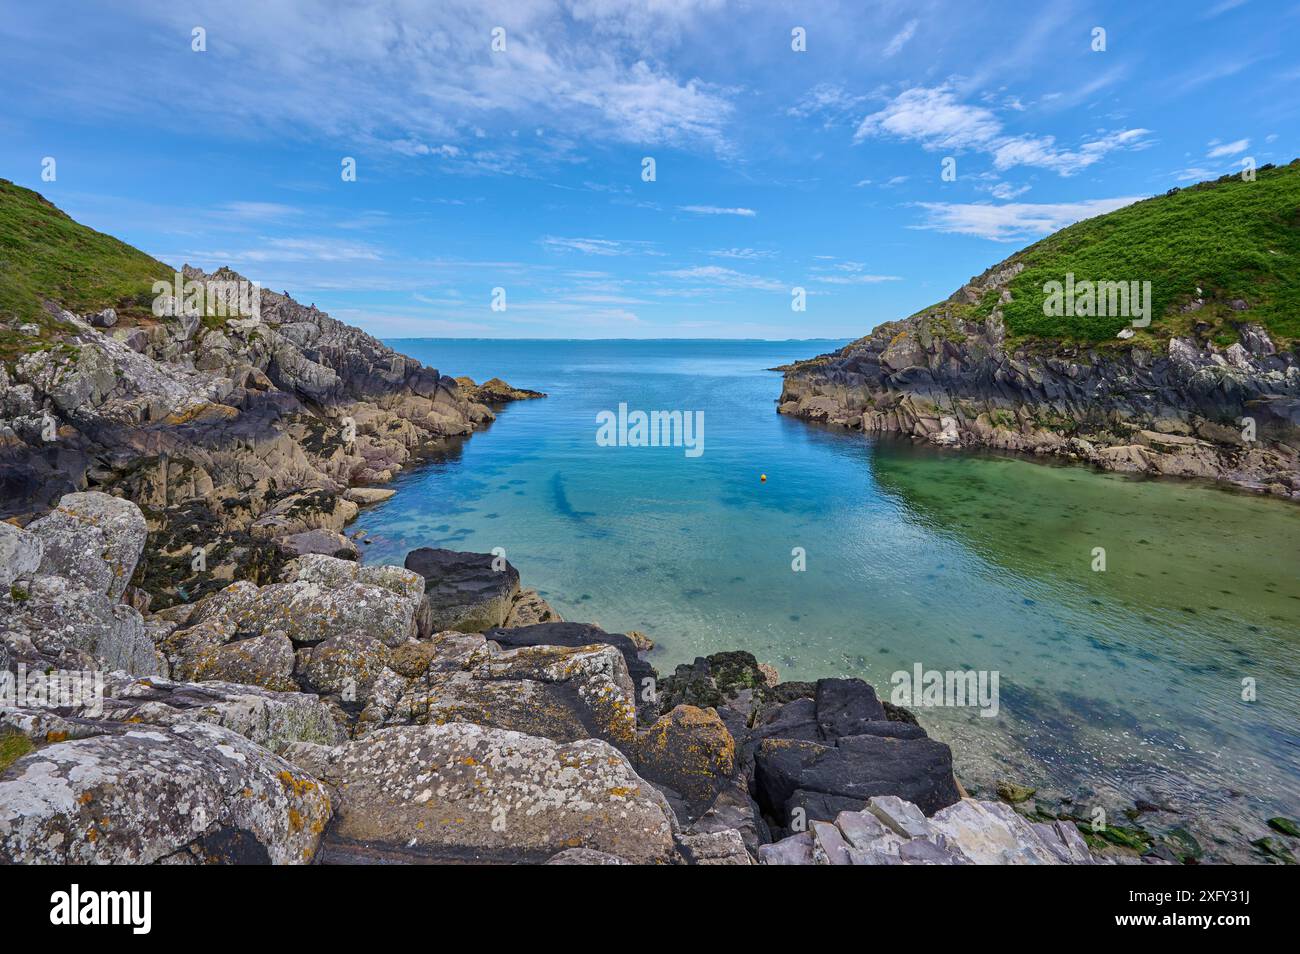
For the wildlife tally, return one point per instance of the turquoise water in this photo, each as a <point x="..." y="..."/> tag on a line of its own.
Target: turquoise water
<point x="1113" y="685"/>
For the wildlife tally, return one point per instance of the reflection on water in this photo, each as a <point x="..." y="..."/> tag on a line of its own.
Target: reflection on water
<point x="1114" y="685"/>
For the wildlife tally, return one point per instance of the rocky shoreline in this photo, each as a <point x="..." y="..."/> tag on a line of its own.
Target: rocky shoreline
<point x="352" y="714"/>
<point x="1189" y="406"/>
<point x="177" y="492"/>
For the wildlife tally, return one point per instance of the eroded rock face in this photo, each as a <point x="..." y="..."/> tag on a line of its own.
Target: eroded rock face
<point x="469" y="592"/>
<point x="230" y="436"/>
<point x="139" y="794"/>
<point x="464" y="792"/>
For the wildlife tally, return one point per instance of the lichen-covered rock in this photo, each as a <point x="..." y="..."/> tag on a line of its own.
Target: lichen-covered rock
<point x="20" y="554"/>
<point x="271" y="719"/>
<point x="726" y="847"/>
<point x="465" y="792"/>
<point x="529" y="608"/>
<point x="643" y="675"/>
<point x="346" y="664"/>
<point x="57" y="623"/>
<point x="561" y="693"/>
<point x="92" y="538"/>
<point x="469" y="592"/>
<point x="323" y="597"/>
<point x="265" y="660"/>
<point x="138" y="794"/>
<point x="690" y="751"/>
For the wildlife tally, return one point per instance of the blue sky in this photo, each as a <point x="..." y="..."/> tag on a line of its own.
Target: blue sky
<point x="522" y="168"/>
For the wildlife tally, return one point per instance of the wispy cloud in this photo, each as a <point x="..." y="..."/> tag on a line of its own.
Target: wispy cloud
<point x="724" y="277"/>
<point x="901" y="37"/>
<point x="594" y="246"/>
<point x="747" y="254"/>
<point x="1218" y="150"/>
<point x="1013" y="221"/>
<point x="715" y="210"/>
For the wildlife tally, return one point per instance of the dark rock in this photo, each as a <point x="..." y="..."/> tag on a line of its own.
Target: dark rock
<point x="919" y="770"/>
<point x="466" y="591"/>
<point x="845" y="705"/>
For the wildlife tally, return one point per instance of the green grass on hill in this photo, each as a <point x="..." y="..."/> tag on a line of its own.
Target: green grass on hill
<point x="44" y="254"/>
<point x="1233" y="239"/>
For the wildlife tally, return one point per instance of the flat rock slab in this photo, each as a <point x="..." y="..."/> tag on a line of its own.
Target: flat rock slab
<point x="464" y="792"/>
<point x="581" y="634"/>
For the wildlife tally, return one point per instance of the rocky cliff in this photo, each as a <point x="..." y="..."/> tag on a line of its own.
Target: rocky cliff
<point x="240" y="437"/>
<point x="1210" y="389"/>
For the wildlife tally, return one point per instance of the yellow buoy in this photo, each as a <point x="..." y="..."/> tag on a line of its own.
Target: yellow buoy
<point x="763" y="477"/>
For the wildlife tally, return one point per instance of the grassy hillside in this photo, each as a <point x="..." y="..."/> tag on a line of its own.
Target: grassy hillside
<point x="46" y="255"/>
<point x="1232" y="239"/>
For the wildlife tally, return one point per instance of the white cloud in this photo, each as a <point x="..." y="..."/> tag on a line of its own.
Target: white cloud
<point x="901" y="37"/>
<point x="1013" y="221"/>
<point x="276" y="250"/>
<point x="933" y="117"/>
<point x="414" y="78"/>
<point x="1006" y="191"/>
<point x="715" y="210"/>
<point x="1219" y="150"/>
<point x="938" y="120"/>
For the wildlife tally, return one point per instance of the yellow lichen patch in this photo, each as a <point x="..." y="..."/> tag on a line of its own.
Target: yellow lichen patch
<point x="295" y="820"/>
<point x="53" y="736"/>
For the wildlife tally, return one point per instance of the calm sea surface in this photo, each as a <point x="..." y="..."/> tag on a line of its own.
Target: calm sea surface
<point x="1113" y="685"/>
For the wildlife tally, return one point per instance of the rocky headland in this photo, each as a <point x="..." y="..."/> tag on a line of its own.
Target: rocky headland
<point x="1208" y="389"/>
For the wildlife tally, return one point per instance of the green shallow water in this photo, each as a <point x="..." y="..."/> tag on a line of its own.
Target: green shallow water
<point x="1113" y="685"/>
